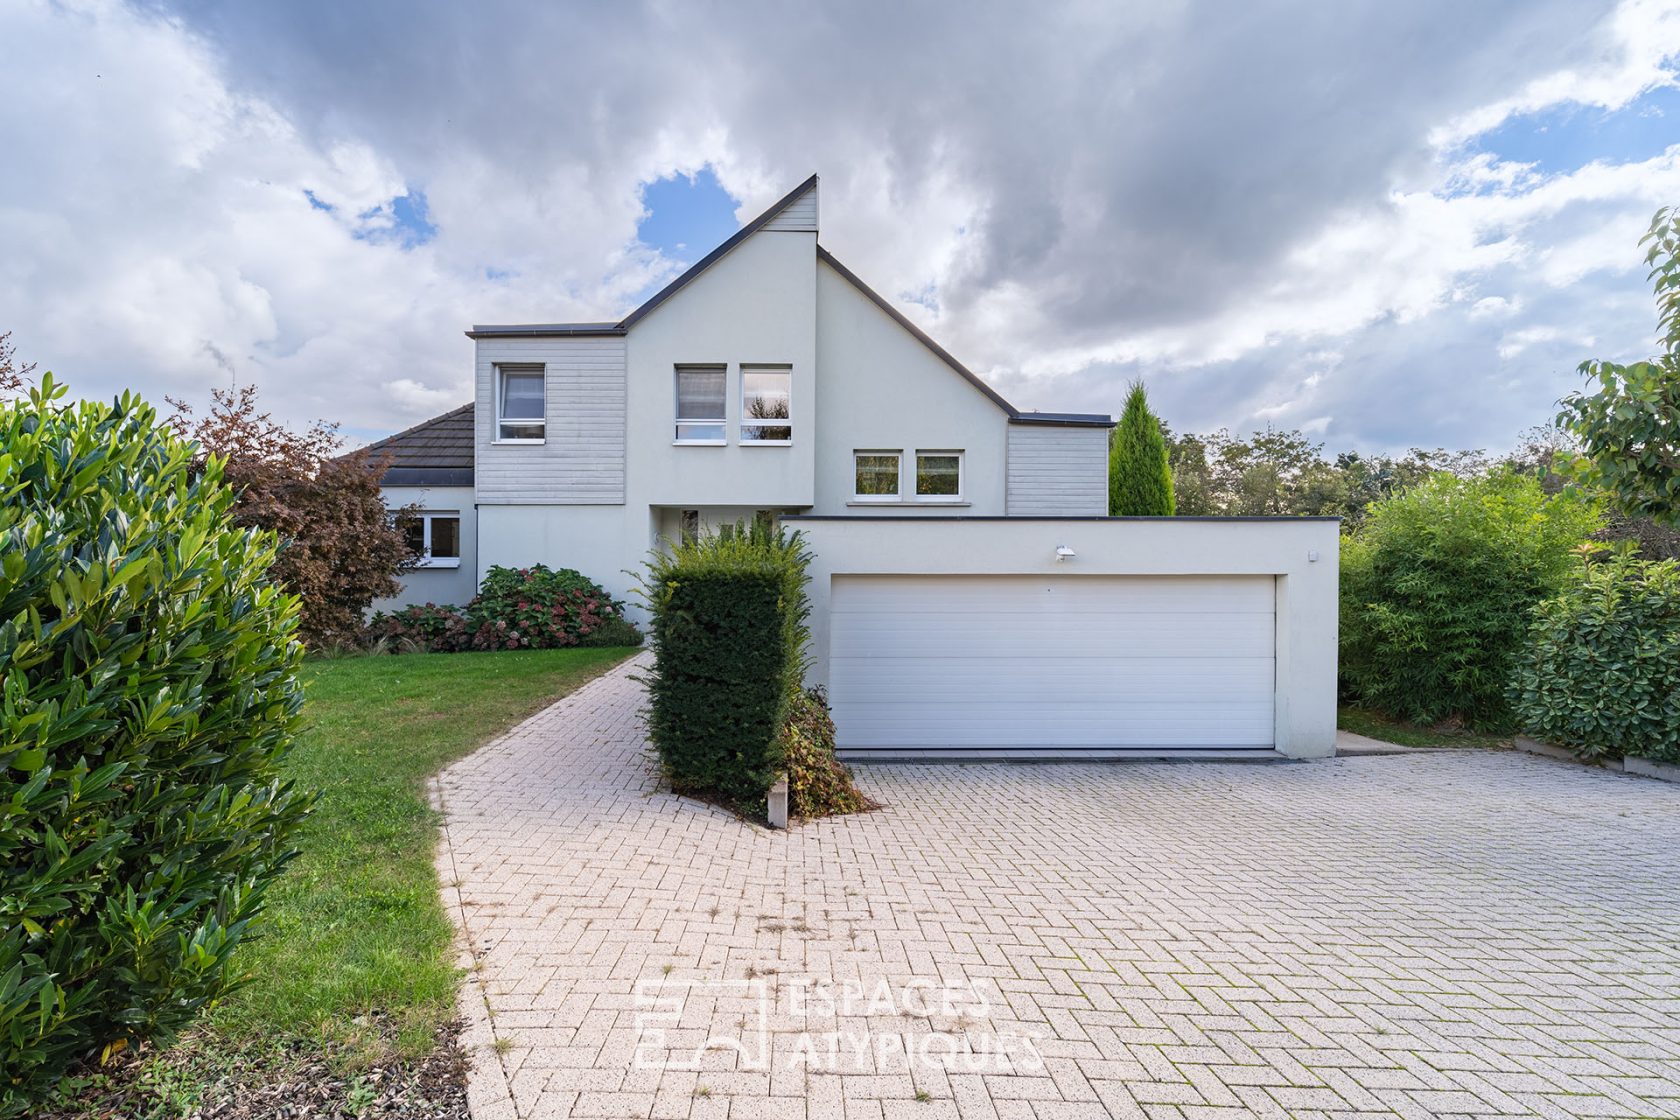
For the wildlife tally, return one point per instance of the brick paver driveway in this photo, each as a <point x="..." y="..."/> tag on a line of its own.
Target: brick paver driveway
<point x="1446" y="934"/>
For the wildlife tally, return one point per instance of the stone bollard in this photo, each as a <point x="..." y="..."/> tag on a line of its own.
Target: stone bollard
<point x="778" y="807"/>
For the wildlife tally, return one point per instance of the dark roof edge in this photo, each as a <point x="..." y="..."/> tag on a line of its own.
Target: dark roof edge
<point x="545" y="330"/>
<point x="1065" y="419"/>
<point x="715" y="255"/>
<point x="912" y="520"/>
<point x="427" y="476"/>
<point x="415" y="428"/>
<point x="920" y="335"/>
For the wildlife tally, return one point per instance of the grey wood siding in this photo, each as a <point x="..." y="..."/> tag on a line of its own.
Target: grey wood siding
<point x="798" y="216"/>
<point x="581" y="461"/>
<point x="1057" y="471"/>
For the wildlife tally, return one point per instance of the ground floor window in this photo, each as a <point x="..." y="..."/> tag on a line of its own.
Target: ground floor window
<point x="435" y="536"/>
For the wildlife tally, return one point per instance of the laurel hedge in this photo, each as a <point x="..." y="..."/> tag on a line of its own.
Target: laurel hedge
<point x="1601" y="669"/>
<point x="148" y="693"/>
<point x="728" y="636"/>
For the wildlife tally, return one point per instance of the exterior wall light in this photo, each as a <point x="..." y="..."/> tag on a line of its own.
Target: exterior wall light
<point x="1063" y="552"/>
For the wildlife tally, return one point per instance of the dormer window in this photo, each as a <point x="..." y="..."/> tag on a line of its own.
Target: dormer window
<point x="701" y="409"/>
<point x="521" y="414"/>
<point x="766" y="394"/>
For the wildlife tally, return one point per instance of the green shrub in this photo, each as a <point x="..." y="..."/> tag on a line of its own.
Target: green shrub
<point x="515" y="608"/>
<point x="613" y="632"/>
<point x="148" y="695"/>
<point x="729" y="631"/>
<point x="1436" y="588"/>
<point x="819" y="785"/>
<point x="1601" y="669"/>
<point x="428" y="627"/>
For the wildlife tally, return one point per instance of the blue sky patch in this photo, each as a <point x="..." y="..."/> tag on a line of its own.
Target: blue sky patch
<point x="687" y="216"/>
<point x="411" y="220"/>
<point x="1563" y="138"/>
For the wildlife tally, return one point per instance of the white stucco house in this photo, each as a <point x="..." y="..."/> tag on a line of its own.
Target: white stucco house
<point x="970" y="597"/>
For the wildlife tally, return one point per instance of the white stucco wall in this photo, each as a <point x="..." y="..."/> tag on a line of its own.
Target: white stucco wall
<point x="1305" y="708"/>
<point x="438" y="585"/>
<point x="599" y="541"/>
<point x="879" y="388"/>
<point x="755" y="306"/>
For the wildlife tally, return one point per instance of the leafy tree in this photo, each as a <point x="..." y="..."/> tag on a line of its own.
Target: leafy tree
<point x="13" y="374"/>
<point x="340" y="546"/>
<point x="1140" y="482"/>
<point x="1437" y="587"/>
<point x="1629" y="428"/>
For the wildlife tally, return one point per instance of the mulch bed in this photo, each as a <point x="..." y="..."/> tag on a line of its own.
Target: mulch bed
<point x="194" y="1080"/>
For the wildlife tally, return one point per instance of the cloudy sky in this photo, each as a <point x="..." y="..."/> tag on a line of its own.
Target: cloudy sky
<point x="1387" y="224"/>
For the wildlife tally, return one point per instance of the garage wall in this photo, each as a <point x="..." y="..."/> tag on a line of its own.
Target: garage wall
<point x="1298" y="554"/>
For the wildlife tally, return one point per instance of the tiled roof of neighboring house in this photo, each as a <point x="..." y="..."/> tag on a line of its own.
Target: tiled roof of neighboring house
<point x="435" y="452"/>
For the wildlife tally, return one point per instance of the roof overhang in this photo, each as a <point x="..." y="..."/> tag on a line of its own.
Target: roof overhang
<point x="1064" y="419"/>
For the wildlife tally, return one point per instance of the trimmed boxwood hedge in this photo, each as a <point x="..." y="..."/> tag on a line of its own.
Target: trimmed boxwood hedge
<point x="148" y="693"/>
<point x="728" y="636"/>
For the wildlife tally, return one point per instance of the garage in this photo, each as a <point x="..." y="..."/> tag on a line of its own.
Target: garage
<point x="1062" y="665"/>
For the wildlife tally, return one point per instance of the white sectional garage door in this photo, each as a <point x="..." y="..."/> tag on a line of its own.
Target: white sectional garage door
<point x="1033" y="666"/>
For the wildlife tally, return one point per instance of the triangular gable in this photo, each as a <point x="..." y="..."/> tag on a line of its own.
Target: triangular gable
<point x="794" y="212"/>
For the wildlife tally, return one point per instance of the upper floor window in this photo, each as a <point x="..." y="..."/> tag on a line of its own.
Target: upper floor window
<point x="435" y="537"/>
<point x="520" y="404"/>
<point x="876" y="475"/>
<point x="939" y="476"/>
<point x="701" y="410"/>
<point x="766" y="395"/>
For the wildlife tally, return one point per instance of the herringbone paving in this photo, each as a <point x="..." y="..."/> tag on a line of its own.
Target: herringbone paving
<point x="1453" y="934"/>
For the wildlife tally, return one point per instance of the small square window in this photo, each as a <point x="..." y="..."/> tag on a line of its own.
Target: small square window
<point x="701" y="410"/>
<point x="521" y="413"/>
<point x="876" y="474"/>
<point x="939" y="476"/>
<point x="435" y="537"/>
<point x="766" y="394"/>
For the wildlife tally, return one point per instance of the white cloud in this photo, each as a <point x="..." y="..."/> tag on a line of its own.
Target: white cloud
<point x="1266" y="213"/>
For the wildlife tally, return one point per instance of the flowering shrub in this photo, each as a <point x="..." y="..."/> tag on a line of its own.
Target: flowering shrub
<point x="516" y="608"/>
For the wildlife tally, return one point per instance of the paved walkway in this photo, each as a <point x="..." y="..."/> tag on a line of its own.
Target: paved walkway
<point x="1442" y="934"/>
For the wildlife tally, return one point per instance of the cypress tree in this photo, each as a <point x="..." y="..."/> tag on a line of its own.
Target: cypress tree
<point x="1139" y="479"/>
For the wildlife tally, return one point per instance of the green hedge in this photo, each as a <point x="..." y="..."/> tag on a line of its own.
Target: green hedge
<point x="149" y="691"/>
<point x="728" y="636"/>
<point x="1601" y="670"/>
<point x="1436" y="589"/>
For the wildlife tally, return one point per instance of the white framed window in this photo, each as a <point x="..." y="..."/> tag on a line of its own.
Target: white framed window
<point x="435" y="536"/>
<point x="939" y="476"/>
<point x="521" y="404"/>
<point x="767" y="395"/>
<point x="689" y="526"/>
<point x="876" y="475"/>
<point x="702" y="411"/>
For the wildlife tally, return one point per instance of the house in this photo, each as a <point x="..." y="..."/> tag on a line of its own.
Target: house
<point x="970" y="597"/>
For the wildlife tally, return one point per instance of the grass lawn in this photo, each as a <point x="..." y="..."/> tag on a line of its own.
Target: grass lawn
<point x="1361" y="721"/>
<point x="355" y="924"/>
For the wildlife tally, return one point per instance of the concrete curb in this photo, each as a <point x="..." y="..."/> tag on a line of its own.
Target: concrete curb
<point x="1639" y="767"/>
<point x="1645" y="768"/>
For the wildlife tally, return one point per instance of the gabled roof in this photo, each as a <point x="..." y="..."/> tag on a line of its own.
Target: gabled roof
<point x="561" y="330"/>
<point x="435" y="452"/>
<point x="552" y="330"/>
<point x="1016" y="416"/>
